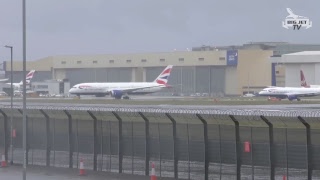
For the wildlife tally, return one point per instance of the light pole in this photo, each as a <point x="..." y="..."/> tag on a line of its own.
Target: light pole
<point x="181" y="80"/>
<point x="11" y="94"/>
<point x="24" y="113"/>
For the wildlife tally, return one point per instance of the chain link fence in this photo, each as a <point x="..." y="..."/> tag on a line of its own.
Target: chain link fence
<point x="183" y="143"/>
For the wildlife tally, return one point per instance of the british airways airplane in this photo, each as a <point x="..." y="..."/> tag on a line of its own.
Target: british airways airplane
<point x="117" y="90"/>
<point x="290" y="92"/>
<point x="29" y="76"/>
<point x="304" y="82"/>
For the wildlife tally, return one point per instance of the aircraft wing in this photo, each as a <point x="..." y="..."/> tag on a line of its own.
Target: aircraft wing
<point x="3" y="80"/>
<point x="126" y="90"/>
<point x="303" y="94"/>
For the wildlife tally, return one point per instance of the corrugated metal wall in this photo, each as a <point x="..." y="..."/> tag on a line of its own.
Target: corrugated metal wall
<point x="192" y="79"/>
<point x="292" y="77"/>
<point x="316" y="74"/>
<point x="207" y="81"/>
<point x="76" y="76"/>
<point x="189" y="80"/>
<point x="38" y="76"/>
<point x="231" y="80"/>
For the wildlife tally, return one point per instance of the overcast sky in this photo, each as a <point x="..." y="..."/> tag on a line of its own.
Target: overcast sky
<point x="59" y="27"/>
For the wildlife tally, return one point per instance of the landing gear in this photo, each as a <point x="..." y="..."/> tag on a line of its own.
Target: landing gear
<point x="126" y="97"/>
<point x="274" y="99"/>
<point x="298" y="99"/>
<point x="120" y="96"/>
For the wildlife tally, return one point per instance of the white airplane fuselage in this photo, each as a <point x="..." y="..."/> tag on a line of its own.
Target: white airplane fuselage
<point x="290" y="92"/>
<point x="105" y="88"/>
<point x="118" y="89"/>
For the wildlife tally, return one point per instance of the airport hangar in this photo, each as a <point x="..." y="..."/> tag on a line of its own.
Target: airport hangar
<point x="221" y="72"/>
<point x="292" y="63"/>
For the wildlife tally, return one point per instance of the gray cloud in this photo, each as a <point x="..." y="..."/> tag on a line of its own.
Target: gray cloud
<point x="115" y="26"/>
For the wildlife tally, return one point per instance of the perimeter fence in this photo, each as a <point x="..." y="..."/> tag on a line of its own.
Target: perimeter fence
<point x="182" y="143"/>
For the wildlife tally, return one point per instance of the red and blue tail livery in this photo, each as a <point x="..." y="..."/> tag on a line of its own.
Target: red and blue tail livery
<point x="163" y="77"/>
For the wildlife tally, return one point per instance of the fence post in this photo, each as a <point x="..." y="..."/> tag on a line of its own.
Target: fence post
<point x="28" y="146"/>
<point x="6" y="134"/>
<point x="48" y="145"/>
<point x="120" y="149"/>
<point x="147" y="135"/>
<point x="206" y="147"/>
<point x="238" y="148"/>
<point x="95" y="140"/>
<point x="175" y="154"/>
<point x="309" y="147"/>
<point x="70" y="139"/>
<point x="271" y="147"/>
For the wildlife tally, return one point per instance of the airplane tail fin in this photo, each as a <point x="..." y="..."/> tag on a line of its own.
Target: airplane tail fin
<point x="303" y="80"/>
<point x="163" y="77"/>
<point x="29" y="76"/>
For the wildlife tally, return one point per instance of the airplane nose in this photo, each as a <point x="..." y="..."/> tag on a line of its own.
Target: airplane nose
<point x="71" y="90"/>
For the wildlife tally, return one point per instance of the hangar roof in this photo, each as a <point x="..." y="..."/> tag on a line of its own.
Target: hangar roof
<point x="298" y="57"/>
<point x="304" y="53"/>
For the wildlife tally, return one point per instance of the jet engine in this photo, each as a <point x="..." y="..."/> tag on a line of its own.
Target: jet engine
<point x="292" y="97"/>
<point x="117" y="94"/>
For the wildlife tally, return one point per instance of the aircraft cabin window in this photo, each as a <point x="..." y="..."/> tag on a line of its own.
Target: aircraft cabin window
<point x="94" y="62"/>
<point x="143" y="60"/>
<point x="111" y="61"/>
<point x="181" y="59"/>
<point x="201" y="59"/>
<point x="78" y="62"/>
<point x="162" y="60"/>
<point x="63" y="62"/>
<point x="128" y="61"/>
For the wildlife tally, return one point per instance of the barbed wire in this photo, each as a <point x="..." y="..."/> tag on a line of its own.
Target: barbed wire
<point x="174" y="109"/>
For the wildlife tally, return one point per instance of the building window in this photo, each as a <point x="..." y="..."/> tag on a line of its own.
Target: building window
<point x="201" y="59"/>
<point x="162" y="60"/>
<point x="63" y="62"/>
<point x="128" y="60"/>
<point x="181" y="59"/>
<point x="143" y="60"/>
<point x="94" y="62"/>
<point x="222" y="58"/>
<point x="78" y="62"/>
<point x="277" y="72"/>
<point x="111" y="61"/>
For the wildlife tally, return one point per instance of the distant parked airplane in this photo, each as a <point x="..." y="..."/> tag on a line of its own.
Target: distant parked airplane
<point x="3" y="80"/>
<point x="304" y="82"/>
<point x="29" y="76"/>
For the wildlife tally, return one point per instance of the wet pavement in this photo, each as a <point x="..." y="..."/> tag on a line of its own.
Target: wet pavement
<point x="40" y="173"/>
